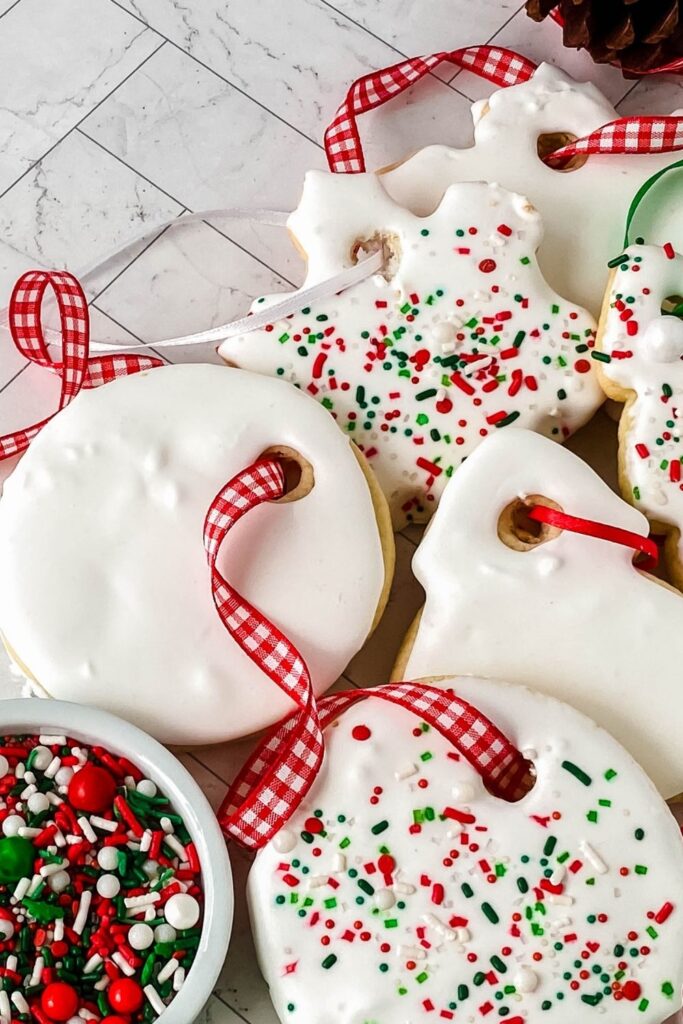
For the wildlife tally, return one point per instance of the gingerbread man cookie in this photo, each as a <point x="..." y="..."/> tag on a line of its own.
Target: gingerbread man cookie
<point x="105" y="595"/>
<point x="565" y="613"/>
<point x="402" y="890"/>
<point x="582" y="207"/>
<point x="641" y="364"/>
<point x="459" y="337"/>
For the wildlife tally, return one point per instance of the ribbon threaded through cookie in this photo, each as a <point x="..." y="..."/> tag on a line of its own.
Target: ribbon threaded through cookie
<point x="278" y="775"/>
<point x="640" y="134"/>
<point x="601" y="531"/>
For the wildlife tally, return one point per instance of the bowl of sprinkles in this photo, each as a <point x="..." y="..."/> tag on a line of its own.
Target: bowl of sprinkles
<point x="114" y="875"/>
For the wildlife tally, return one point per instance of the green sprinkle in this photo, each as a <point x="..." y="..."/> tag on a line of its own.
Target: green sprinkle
<point x="640" y="869"/>
<point x="380" y="827"/>
<point x="667" y="989"/>
<point x="577" y="772"/>
<point x="550" y="844"/>
<point x="510" y="418"/>
<point x="600" y="357"/>
<point x="421" y="978"/>
<point x="490" y="913"/>
<point x="329" y="961"/>
<point x="610" y="774"/>
<point x="522" y="885"/>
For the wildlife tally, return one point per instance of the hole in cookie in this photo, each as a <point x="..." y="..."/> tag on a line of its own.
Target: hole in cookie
<point x="383" y="242"/>
<point x="550" y="142"/>
<point x="522" y="786"/>
<point x="299" y="476"/>
<point x="519" y="531"/>
<point x="672" y="305"/>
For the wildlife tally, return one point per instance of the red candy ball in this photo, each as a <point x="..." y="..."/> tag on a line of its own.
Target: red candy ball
<point x="631" y="990"/>
<point x="92" y="789"/>
<point x="114" y="1020"/>
<point x="59" y="1001"/>
<point x="125" y="995"/>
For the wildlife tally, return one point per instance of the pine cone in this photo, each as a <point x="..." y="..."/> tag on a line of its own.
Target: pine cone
<point x="636" y="35"/>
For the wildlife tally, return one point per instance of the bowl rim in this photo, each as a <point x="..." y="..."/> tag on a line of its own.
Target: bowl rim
<point x="95" y="727"/>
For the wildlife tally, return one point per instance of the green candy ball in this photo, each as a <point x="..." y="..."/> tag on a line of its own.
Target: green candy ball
<point x="16" y="858"/>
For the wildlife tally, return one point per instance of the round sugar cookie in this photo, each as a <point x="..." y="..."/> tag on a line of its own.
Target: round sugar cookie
<point x="105" y="593"/>
<point x="583" y="208"/>
<point x="402" y="890"/>
<point x="458" y="337"/>
<point x="571" y="616"/>
<point x="641" y="364"/>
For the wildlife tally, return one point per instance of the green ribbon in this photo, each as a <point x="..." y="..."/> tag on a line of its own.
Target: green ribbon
<point x="642" y="192"/>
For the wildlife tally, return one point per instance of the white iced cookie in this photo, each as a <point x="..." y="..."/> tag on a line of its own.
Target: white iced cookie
<point x="457" y="338"/>
<point x="105" y="593"/>
<point x="582" y="209"/>
<point x="641" y="364"/>
<point x="403" y="891"/>
<point x="569" y="616"/>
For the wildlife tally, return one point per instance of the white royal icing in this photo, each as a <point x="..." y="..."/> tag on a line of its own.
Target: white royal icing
<point x="565" y="906"/>
<point x="643" y="350"/>
<point x="464" y="338"/>
<point x="571" y="617"/>
<point x="583" y="210"/>
<point x="105" y="592"/>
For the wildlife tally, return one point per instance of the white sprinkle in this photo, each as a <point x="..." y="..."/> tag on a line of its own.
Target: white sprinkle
<point x="593" y="858"/>
<point x="103" y="823"/>
<point x="35" y="882"/>
<point x="178" y="979"/>
<point x="146" y="841"/>
<point x="20" y="1003"/>
<point x="83" y="909"/>
<point x="166" y="825"/>
<point x="558" y="874"/>
<point x="74" y="840"/>
<point x="412" y="952"/>
<point x="59" y="929"/>
<point x="439" y="927"/>
<point x="52" y="869"/>
<point x="559" y="900"/>
<point x="454" y="830"/>
<point x="463" y="934"/>
<point x="59" y="838"/>
<point x="51" y="741"/>
<point x="147" y="788"/>
<point x="87" y="829"/>
<point x="22" y="887"/>
<point x="54" y="799"/>
<point x="177" y="847"/>
<point x="53" y="767"/>
<point x="338" y="863"/>
<point x="37" y="972"/>
<point x="5" y="1006"/>
<point x="463" y="792"/>
<point x="406" y="772"/>
<point x="403" y="888"/>
<point x="100" y="986"/>
<point x="29" y="833"/>
<point x="169" y="968"/>
<point x="121" y="962"/>
<point x="20" y="770"/>
<point x="142" y="901"/>
<point x="316" y="881"/>
<point x="11" y="964"/>
<point x="93" y="963"/>
<point x="155" y="1000"/>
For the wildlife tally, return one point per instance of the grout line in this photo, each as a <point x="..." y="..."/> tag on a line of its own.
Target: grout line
<point x="212" y="71"/>
<point x="17" y="374"/>
<point x="148" y="348"/>
<point x="10" y="8"/>
<point x="197" y="760"/>
<point x="627" y="93"/>
<point x="231" y="1008"/>
<point x="137" y="256"/>
<point x="185" y="209"/>
<point x="76" y="126"/>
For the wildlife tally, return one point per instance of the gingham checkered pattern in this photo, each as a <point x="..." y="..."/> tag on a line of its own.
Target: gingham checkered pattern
<point x="627" y="135"/>
<point x="282" y="769"/>
<point x="342" y="141"/>
<point x="503" y="68"/>
<point x="279" y="774"/>
<point x="75" y="369"/>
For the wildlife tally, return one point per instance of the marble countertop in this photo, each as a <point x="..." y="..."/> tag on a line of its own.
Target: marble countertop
<point x="120" y="115"/>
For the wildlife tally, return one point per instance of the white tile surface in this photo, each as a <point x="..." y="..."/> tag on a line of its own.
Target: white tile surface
<point x="229" y="111"/>
<point x="62" y="73"/>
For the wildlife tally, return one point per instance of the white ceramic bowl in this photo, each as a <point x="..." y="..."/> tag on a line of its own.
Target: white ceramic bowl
<point x="92" y="726"/>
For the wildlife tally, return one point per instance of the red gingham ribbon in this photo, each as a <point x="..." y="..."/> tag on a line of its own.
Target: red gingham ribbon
<point x="504" y="68"/>
<point x="75" y="369"/>
<point x="279" y="774"/>
<point x="602" y="531"/>
<point x="342" y="141"/>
